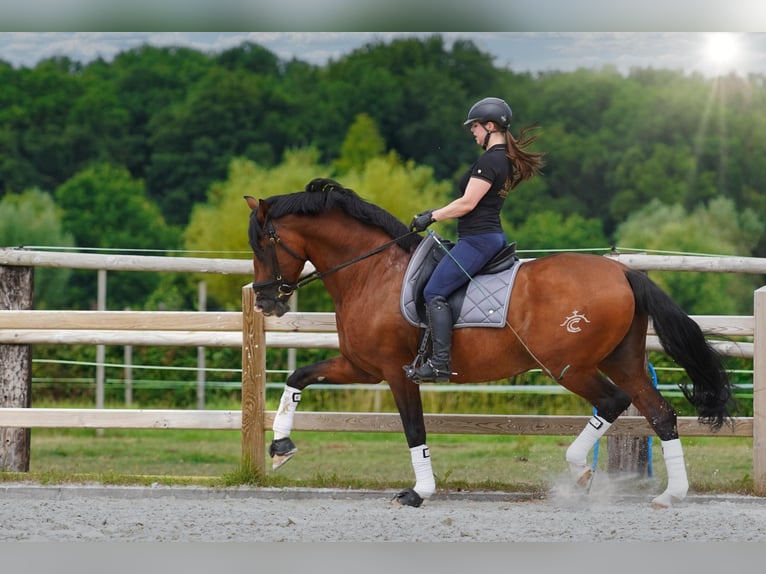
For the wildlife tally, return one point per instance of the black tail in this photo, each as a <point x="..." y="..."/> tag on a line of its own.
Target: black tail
<point x="684" y="342"/>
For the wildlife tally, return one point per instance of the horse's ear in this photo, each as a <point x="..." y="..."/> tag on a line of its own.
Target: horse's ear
<point x="252" y="202"/>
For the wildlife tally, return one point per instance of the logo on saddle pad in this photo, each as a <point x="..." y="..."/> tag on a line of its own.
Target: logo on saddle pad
<point x="572" y="323"/>
<point x="483" y="302"/>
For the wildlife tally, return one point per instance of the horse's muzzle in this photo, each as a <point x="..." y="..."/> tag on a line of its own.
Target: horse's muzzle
<point x="271" y="306"/>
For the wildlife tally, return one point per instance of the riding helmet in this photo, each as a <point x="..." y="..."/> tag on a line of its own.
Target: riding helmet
<point x="490" y="110"/>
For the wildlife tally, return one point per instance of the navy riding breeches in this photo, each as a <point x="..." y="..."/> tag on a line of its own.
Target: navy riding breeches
<point x="464" y="260"/>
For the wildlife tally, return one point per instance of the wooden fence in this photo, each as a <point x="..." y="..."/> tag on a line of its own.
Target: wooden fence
<point x="254" y="333"/>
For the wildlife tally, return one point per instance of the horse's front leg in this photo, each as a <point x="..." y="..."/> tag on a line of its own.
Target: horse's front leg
<point x="335" y="371"/>
<point x="407" y="397"/>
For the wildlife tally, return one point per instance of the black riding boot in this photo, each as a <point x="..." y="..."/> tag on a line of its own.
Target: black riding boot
<point x="437" y="369"/>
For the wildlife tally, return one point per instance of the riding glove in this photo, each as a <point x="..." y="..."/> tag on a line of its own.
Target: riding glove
<point x="422" y="220"/>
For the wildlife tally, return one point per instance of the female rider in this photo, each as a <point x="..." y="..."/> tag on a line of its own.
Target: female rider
<point x="504" y="164"/>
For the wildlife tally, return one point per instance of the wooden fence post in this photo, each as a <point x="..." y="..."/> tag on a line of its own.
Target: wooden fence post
<point x="16" y="293"/>
<point x="253" y="385"/>
<point x="759" y="392"/>
<point x="628" y="454"/>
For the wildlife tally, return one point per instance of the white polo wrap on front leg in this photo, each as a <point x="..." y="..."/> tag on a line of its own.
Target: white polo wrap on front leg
<point x="283" y="420"/>
<point x="425" y="485"/>
<point x="577" y="453"/>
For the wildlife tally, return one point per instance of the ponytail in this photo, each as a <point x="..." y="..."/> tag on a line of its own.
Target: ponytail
<point x="526" y="164"/>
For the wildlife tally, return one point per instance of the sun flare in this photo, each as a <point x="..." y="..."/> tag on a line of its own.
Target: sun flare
<point x="722" y="50"/>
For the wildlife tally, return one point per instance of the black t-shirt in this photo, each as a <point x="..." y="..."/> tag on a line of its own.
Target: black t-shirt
<point x="493" y="166"/>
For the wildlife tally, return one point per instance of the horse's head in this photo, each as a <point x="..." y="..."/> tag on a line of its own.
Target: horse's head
<point x="277" y="266"/>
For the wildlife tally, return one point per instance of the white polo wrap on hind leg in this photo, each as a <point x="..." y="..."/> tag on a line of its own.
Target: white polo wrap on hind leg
<point x="283" y="420"/>
<point x="577" y="453"/>
<point x="425" y="485"/>
<point x="678" y="482"/>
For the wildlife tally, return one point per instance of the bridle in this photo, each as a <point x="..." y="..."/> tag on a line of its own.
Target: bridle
<point x="285" y="288"/>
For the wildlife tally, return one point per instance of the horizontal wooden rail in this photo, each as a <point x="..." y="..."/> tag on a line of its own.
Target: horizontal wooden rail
<point x="115" y="262"/>
<point x="728" y="348"/>
<point x="161" y="321"/>
<point x="162" y="338"/>
<point x="500" y="424"/>
<point x="346" y="422"/>
<point x="23" y="257"/>
<point x="123" y="320"/>
<point x="223" y="329"/>
<point x="728" y="325"/>
<point x="716" y="264"/>
<point x="120" y="418"/>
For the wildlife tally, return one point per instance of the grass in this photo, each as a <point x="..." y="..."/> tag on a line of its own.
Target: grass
<point x="349" y="460"/>
<point x="356" y="460"/>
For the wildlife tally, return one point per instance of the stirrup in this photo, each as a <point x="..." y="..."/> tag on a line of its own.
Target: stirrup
<point x="436" y="375"/>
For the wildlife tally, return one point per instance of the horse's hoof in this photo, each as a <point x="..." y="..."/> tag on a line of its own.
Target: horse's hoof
<point x="279" y="460"/>
<point x="665" y="500"/>
<point x="407" y="497"/>
<point x="582" y="475"/>
<point x="586" y="480"/>
<point x="280" y="451"/>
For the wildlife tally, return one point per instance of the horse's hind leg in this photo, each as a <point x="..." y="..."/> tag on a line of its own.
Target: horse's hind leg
<point x="661" y="416"/>
<point x="663" y="419"/>
<point x="609" y="402"/>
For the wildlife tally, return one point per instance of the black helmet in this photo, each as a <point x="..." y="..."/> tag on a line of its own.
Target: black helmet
<point x="490" y="110"/>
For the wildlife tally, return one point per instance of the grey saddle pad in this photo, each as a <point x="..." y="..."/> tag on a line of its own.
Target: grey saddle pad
<point x="486" y="299"/>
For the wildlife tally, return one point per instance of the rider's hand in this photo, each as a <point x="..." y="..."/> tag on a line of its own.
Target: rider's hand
<point x="422" y="220"/>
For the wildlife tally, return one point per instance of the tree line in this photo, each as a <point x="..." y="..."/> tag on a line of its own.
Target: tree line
<point x="140" y="152"/>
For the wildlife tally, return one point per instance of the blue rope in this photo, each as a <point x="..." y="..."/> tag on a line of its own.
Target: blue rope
<point x="650" y="468"/>
<point x="649" y="440"/>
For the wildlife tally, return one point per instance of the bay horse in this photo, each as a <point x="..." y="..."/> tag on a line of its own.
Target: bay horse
<point x="361" y="253"/>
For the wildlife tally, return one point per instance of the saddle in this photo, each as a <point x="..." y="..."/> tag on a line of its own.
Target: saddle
<point x="478" y="303"/>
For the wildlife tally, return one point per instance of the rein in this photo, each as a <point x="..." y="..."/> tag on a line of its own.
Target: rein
<point x="285" y="288"/>
<point x="314" y="275"/>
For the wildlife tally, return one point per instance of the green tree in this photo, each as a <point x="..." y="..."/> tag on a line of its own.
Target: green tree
<point x="220" y="224"/>
<point x="551" y="231"/>
<point x="147" y="80"/>
<point x="227" y="114"/>
<point x="41" y="120"/>
<point x="716" y="229"/>
<point x="175" y="118"/>
<point x="250" y="57"/>
<point x="400" y="187"/>
<point x="363" y="142"/>
<point x="31" y="218"/>
<point x="417" y="91"/>
<point x="657" y="172"/>
<point x="104" y="207"/>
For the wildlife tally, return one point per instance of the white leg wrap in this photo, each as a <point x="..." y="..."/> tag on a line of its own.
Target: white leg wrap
<point x="283" y="420"/>
<point x="678" y="483"/>
<point x="577" y="453"/>
<point x="425" y="485"/>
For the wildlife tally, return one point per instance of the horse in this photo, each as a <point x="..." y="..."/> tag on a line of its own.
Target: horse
<point x="361" y="252"/>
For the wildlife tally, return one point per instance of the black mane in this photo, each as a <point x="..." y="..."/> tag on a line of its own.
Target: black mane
<point x="323" y="194"/>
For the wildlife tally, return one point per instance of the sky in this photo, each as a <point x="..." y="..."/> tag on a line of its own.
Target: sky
<point x="710" y="53"/>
